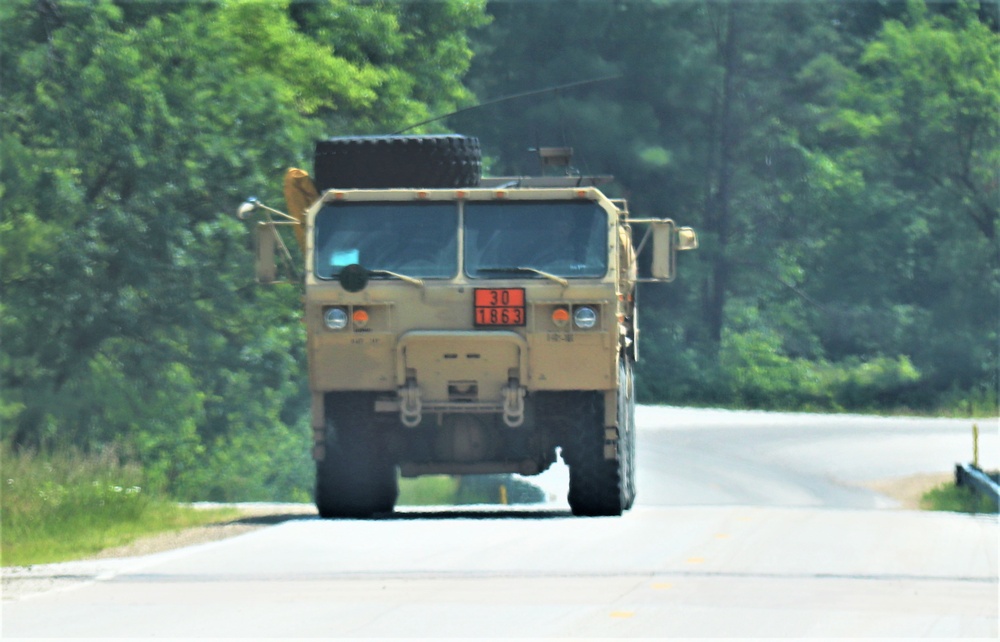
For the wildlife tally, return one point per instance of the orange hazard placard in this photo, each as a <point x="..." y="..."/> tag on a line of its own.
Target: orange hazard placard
<point x="498" y="306"/>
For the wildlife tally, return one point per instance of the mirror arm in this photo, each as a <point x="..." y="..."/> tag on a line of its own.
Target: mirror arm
<point x="281" y="243"/>
<point x="642" y="243"/>
<point x="252" y="203"/>
<point x="647" y="233"/>
<point x="647" y="220"/>
<point x="271" y="210"/>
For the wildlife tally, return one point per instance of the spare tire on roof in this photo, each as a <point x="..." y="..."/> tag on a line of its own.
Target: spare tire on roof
<point x="397" y="161"/>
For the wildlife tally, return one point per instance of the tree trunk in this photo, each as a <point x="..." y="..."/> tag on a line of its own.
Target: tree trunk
<point x="717" y="206"/>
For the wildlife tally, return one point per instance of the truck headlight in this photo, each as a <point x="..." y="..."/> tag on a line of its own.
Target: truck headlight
<point x="584" y="317"/>
<point x="335" y="318"/>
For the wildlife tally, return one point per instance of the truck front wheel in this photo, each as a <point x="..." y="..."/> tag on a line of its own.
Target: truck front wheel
<point x="356" y="478"/>
<point x="600" y="486"/>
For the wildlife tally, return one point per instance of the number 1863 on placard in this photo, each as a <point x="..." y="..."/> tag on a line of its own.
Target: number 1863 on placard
<point x="499" y="306"/>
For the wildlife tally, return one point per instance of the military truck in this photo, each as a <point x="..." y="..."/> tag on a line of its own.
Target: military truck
<point x="464" y="325"/>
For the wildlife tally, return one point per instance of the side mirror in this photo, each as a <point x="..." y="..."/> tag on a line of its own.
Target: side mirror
<point x="668" y="240"/>
<point x="247" y="207"/>
<point x="664" y="256"/>
<point x="687" y="239"/>
<point x="267" y="240"/>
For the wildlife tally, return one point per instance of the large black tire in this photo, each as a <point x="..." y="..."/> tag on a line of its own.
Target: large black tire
<point x="599" y="486"/>
<point x="397" y="161"/>
<point x="626" y="428"/>
<point x="356" y="478"/>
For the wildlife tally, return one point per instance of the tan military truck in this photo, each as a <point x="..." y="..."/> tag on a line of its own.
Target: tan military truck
<point x="463" y="325"/>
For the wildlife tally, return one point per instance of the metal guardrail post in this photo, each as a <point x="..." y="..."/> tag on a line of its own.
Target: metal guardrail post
<point x="971" y="477"/>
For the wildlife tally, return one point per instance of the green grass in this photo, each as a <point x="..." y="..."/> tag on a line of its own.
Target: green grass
<point x="433" y="490"/>
<point x="443" y="490"/>
<point x="957" y="499"/>
<point x="70" y="506"/>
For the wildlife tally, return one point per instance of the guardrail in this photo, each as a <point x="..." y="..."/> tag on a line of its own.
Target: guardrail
<point x="972" y="477"/>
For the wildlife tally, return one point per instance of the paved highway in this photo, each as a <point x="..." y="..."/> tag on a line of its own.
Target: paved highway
<point x="746" y="525"/>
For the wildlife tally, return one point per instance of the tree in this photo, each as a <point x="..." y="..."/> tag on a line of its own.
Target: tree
<point x="131" y="132"/>
<point x="838" y="160"/>
<point x="928" y="96"/>
<point x="909" y="166"/>
<point x="703" y="126"/>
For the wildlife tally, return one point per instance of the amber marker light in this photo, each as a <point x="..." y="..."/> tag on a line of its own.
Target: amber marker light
<point x="560" y="317"/>
<point x="360" y="318"/>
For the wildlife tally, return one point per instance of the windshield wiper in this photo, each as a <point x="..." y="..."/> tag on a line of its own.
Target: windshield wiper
<point x="409" y="279"/>
<point x="521" y="270"/>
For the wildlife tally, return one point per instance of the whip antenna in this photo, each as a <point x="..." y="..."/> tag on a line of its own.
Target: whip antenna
<point x="523" y="94"/>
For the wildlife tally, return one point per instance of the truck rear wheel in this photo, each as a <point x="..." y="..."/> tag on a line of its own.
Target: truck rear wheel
<point x="599" y="486"/>
<point x="364" y="162"/>
<point x="626" y="427"/>
<point x="356" y="477"/>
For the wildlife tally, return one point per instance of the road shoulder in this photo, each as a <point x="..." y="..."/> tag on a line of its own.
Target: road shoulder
<point x="907" y="491"/>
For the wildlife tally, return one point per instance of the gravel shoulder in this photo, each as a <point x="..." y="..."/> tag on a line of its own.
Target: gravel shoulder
<point x="907" y="491"/>
<point x="253" y="516"/>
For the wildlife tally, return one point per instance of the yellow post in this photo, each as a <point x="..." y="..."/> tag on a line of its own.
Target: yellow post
<point x="503" y="494"/>
<point x="975" y="445"/>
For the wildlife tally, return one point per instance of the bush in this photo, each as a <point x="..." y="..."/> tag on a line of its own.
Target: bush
<point x="754" y="371"/>
<point x="69" y="505"/>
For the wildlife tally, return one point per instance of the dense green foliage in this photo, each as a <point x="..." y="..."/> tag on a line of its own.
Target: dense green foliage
<point x="130" y="133"/>
<point x="839" y="161"/>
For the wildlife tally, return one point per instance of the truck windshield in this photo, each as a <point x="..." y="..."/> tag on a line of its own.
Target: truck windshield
<point x="414" y="239"/>
<point x="521" y="239"/>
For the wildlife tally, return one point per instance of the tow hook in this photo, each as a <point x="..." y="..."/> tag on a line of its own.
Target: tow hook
<point x="410" y="406"/>
<point x="513" y="403"/>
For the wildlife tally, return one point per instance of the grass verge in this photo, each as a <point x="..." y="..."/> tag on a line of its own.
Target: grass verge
<point x="957" y="499"/>
<point x="67" y="505"/>
<point x="70" y="506"/>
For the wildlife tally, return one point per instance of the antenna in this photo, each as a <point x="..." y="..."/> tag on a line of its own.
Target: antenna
<point x="523" y="94"/>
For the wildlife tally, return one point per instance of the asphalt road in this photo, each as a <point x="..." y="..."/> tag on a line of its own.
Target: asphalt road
<point x="746" y="525"/>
